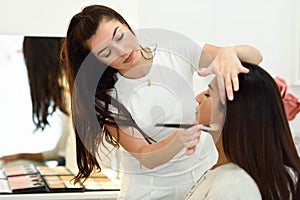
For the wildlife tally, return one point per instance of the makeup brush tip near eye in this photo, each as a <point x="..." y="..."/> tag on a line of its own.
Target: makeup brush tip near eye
<point x="210" y="127"/>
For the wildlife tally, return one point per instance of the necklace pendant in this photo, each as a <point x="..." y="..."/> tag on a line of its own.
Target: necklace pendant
<point x="149" y="83"/>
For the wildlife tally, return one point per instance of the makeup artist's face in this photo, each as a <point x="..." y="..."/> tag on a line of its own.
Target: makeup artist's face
<point x="203" y="111"/>
<point x="115" y="45"/>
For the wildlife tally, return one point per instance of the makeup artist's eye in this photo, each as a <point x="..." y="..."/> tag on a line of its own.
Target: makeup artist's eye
<point x="120" y="37"/>
<point x="108" y="53"/>
<point x="104" y="53"/>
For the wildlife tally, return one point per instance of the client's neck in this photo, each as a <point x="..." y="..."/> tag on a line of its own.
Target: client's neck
<point x="222" y="157"/>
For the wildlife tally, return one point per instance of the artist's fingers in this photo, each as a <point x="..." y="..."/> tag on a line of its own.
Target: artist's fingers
<point x="190" y="151"/>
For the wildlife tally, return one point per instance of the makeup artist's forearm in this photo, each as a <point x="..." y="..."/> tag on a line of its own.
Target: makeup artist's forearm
<point x="150" y="155"/>
<point x="244" y="52"/>
<point x="32" y="156"/>
<point x="159" y="153"/>
<point x="248" y="54"/>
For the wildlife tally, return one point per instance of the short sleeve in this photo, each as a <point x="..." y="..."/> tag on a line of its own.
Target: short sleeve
<point x="173" y="42"/>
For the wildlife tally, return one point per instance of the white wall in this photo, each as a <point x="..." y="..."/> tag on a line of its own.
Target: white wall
<point x="51" y="17"/>
<point x="269" y="25"/>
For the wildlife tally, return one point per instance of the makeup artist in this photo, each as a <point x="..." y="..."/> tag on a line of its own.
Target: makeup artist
<point x="120" y="87"/>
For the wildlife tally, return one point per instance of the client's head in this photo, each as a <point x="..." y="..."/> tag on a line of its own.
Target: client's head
<point x="256" y="134"/>
<point x="255" y="122"/>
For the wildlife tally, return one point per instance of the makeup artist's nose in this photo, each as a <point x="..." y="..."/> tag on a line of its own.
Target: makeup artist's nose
<point x="120" y="51"/>
<point x="199" y="97"/>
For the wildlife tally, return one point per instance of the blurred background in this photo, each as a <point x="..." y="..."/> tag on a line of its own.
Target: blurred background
<point x="272" y="26"/>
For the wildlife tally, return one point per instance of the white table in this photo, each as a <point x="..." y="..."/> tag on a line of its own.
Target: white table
<point x="103" y="195"/>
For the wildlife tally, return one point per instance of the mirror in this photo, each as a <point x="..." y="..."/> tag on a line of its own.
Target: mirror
<point x="17" y="128"/>
<point x="34" y="18"/>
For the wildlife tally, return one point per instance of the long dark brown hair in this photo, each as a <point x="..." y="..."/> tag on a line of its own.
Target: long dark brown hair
<point x="92" y="89"/>
<point x="259" y="140"/>
<point x="46" y="77"/>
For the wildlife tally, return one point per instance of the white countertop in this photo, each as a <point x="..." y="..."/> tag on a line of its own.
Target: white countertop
<point x="103" y="195"/>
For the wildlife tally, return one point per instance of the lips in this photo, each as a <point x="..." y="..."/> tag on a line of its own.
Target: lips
<point x="129" y="58"/>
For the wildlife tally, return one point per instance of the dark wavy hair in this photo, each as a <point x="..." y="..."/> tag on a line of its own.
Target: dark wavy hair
<point x="46" y="77"/>
<point x="259" y="140"/>
<point x="92" y="89"/>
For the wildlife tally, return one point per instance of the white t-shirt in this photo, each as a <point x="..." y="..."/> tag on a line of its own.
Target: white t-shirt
<point x="60" y="147"/>
<point x="169" y="98"/>
<point x="225" y="182"/>
<point x="66" y="145"/>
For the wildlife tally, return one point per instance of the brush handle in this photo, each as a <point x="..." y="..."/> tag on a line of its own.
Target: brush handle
<point x="172" y="125"/>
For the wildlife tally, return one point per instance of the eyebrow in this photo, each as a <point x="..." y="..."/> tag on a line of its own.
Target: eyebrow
<point x="210" y="87"/>
<point x="114" y="33"/>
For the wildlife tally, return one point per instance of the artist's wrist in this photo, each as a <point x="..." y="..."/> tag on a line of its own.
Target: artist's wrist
<point x="177" y="142"/>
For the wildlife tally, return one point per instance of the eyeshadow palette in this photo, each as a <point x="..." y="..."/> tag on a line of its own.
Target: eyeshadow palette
<point x="41" y="179"/>
<point x="20" y="170"/>
<point x="31" y="183"/>
<point x="62" y="184"/>
<point x="27" y="184"/>
<point x="59" y="170"/>
<point x="94" y="184"/>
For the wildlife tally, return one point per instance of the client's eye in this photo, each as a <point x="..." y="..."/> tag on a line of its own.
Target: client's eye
<point x="207" y="95"/>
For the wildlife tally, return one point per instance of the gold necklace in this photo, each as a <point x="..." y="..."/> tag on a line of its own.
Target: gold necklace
<point x="149" y="82"/>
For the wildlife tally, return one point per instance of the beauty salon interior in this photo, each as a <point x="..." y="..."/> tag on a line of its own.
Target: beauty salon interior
<point x="55" y="145"/>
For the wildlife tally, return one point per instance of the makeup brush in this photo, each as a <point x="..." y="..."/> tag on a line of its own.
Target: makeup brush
<point x="174" y="125"/>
